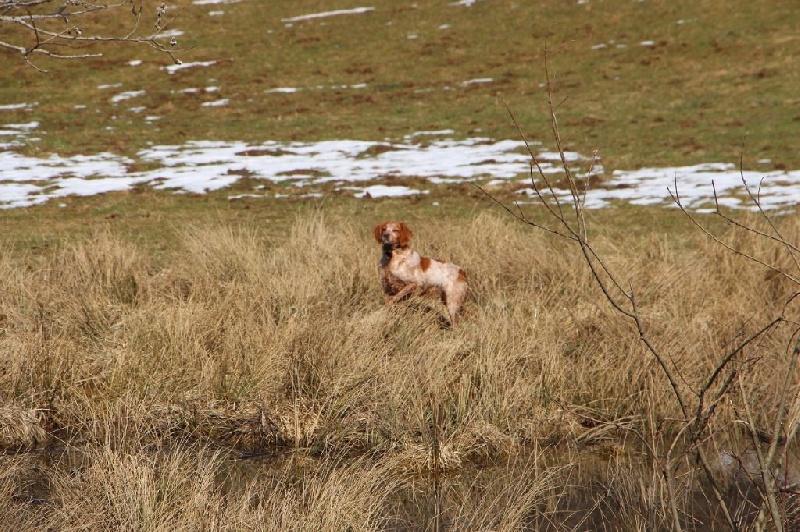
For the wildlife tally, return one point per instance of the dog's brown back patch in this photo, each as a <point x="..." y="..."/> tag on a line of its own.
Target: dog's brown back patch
<point x="462" y="275"/>
<point x="425" y="263"/>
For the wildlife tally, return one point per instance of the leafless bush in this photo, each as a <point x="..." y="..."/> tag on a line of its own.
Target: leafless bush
<point x="684" y="451"/>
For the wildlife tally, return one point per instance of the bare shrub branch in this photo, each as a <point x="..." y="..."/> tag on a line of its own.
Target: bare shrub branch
<point x="697" y="402"/>
<point x="67" y="29"/>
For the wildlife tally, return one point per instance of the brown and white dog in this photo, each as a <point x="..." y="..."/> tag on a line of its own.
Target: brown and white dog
<point x="404" y="271"/>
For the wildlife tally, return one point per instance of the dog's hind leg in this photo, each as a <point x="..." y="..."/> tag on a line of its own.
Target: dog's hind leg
<point x="455" y="297"/>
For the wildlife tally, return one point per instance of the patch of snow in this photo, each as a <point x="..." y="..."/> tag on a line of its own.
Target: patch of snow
<point x="325" y="14"/>
<point x="312" y="195"/>
<point x="169" y="33"/>
<point x="384" y="191"/>
<point x="243" y="196"/>
<point x="554" y="156"/>
<point x="465" y="3"/>
<point x="651" y="186"/>
<point x="217" y="103"/>
<point x="441" y="132"/>
<point x="17" y="106"/>
<point x="28" y="126"/>
<point x="474" y="81"/>
<point x="126" y="96"/>
<point x="292" y="90"/>
<point x="171" y="69"/>
<point x="361" y="166"/>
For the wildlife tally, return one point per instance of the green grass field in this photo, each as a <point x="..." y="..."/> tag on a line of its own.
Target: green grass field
<point x="184" y="362"/>
<point x="715" y="72"/>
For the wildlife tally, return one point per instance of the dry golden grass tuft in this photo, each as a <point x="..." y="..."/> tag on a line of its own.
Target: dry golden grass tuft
<point x="236" y="343"/>
<point x="20" y="428"/>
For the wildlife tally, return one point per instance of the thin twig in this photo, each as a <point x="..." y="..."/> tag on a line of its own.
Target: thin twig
<point x="736" y="251"/>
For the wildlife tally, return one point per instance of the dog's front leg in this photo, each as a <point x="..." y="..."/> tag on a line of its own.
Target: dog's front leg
<point x="407" y="289"/>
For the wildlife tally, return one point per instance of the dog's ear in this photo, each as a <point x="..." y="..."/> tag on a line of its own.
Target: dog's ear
<point x="378" y="231"/>
<point x="405" y="234"/>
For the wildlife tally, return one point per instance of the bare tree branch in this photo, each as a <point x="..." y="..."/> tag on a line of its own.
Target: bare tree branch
<point x="54" y="26"/>
<point x="676" y="198"/>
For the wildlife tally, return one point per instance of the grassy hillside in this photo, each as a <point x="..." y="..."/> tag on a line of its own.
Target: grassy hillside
<point x="644" y="83"/>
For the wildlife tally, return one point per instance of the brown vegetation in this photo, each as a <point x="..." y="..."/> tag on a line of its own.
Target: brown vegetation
<point x="163" y="375"/>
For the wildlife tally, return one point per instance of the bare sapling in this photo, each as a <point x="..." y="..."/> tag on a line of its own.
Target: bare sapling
<point x="774" y="479"/>
<point x="681" y="449"/>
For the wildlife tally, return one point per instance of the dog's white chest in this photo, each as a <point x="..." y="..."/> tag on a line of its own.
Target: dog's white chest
<point x="404" y="265"/>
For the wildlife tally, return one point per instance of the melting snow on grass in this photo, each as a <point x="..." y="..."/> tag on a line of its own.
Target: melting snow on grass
<point x="363" y="168"/>
<point x="695" y="186"/>
<point x="18" y="106"/>
<point x="182" y="66"/>
<point x="325" y="14"/>
<point x="292" y="90"/>
<point x="465" y="3"/>
<point x="126" y="96"/>
<point x="216" y="103"/>
<point x="15" y="134"/>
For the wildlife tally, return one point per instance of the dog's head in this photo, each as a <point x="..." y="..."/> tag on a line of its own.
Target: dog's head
<point x="394" y="234"/>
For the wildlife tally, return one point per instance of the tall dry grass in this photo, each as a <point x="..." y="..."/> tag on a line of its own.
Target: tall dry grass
<point x="162" y="373"/>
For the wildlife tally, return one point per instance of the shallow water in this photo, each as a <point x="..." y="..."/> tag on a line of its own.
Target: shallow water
<point x="595" y="488"/>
